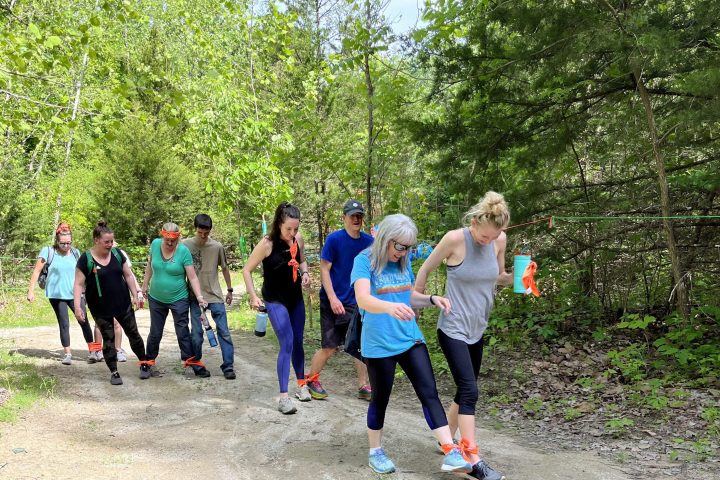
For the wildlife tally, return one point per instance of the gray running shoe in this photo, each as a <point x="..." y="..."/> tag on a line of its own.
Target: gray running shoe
<point x="286" y="406"/>
<point x="483" y="471"/>
<point x="67" y="359"/>
<point x="92" y="358"/>
<point x="155" y="371"/>
<point x="145" y="372"/>
<point x="303" y="394"/>
<point x="115" y="379"/>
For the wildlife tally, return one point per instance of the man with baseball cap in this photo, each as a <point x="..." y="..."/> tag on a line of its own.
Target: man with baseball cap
<point x="337" y="297"/>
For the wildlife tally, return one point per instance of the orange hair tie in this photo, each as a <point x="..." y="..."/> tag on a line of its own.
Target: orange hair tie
<point x="63" y="228"/>
<point x="171" y="235"/>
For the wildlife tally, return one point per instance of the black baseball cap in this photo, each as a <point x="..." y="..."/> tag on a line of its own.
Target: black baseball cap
<point x="352" y="207"/>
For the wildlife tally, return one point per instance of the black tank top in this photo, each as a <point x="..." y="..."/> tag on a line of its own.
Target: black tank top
<point x="278" y="284"/>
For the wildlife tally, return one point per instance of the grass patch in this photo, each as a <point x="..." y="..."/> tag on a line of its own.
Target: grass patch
<point x="19" y="376"/>
<point x="18" y="312"/>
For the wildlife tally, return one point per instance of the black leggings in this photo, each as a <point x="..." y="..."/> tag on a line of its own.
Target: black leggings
<point x="416" y="365"/>
<point x="61" y="312"/>
<point x="464" y="362"/>
<point x="129" y="326"/>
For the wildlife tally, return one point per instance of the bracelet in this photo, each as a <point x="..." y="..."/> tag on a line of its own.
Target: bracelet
<point x="229" y="289"/>
<point x="432" y="302"/>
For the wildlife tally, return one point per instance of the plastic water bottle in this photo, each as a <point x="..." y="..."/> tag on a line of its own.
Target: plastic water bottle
<point x="261" y="319"/>
<point x="212" y="339"/>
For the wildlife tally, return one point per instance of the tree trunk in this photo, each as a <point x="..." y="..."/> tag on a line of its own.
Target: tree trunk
<point x="681" y="293"/>
<point x="370" y="118"/>
<point x="68" y="145"/>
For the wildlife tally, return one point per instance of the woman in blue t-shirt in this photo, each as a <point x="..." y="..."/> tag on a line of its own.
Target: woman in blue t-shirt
<point x="59" y="287"/>
<point x="383" y="280"/>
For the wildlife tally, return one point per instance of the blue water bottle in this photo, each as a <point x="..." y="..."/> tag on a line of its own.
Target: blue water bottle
<point x="520" y="264"/>
<point x="212" y="339"/>
<point x="261" y="318"/>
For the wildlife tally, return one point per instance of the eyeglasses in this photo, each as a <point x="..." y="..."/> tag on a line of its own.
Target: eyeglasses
<point x="400" y="247"/>
<point x="64" y="244"/>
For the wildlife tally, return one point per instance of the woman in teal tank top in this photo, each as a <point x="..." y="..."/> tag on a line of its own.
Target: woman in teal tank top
<point x="167" y="274"/>
<point x="475" y="258"/>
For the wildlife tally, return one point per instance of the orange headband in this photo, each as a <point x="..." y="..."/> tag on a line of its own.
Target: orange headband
<point x="171" y="235"/>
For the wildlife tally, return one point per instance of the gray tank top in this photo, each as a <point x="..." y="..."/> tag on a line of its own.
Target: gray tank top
<point x="471" y="290"/>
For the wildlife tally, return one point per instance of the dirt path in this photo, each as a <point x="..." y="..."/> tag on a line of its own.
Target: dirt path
<point x="178" y="427"/>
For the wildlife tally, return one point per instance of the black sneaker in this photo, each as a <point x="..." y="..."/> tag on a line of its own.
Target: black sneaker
<point x="483" y="471"/>
<point x="115" y="378"/>
<point x="229" y="374"/>
<point x="144" y="372"/>
<point x="202" y="372"/>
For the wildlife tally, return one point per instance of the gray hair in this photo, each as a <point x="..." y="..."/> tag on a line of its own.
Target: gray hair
<point x="399" y="228"/>
<point x="490" y="210"/>
<point x="170" y="227"/>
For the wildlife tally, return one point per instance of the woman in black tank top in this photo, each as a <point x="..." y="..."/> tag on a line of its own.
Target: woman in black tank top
<point x="284" y="274"/>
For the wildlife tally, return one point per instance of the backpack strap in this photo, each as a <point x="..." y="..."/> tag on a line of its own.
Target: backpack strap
<point x="117" y="254"/>
<point x="76" y="253"/>
<point x="51" y="254"/>
<point x="91" y="269"/>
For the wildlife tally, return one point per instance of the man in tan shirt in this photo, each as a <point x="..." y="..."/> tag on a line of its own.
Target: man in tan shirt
<point x="208" y="255"/>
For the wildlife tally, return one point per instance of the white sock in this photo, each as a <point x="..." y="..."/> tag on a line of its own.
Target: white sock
<point x="373" y="451"/>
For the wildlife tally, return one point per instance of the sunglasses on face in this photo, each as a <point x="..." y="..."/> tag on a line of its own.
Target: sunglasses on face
<point x="400" y="247"/>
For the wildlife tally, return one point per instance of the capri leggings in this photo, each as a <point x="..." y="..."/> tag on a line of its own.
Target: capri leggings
<point x="416" y="365"/>
<point x="464" y="362"/>
<point x="288" y="325"/>
<point x="61" y="312"/>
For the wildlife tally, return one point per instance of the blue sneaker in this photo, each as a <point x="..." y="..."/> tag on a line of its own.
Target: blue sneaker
<point x="454" y="462"/>
<point x="380" y="463"/>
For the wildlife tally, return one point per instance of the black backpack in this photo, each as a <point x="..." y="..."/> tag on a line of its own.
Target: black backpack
<point x="42" y="279"/>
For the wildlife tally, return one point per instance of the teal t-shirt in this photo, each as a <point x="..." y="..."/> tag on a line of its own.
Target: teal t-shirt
<point x="61" y="273"/>
<point x="168" y="284"/>
<point x="382" y="335"/>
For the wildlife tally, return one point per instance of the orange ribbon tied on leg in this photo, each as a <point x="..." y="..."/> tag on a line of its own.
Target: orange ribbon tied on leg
<point x="467" y="449"/>
<point x="528" y="279"/>
<point x="192" y="362"/>
<point x="294" y="263"/>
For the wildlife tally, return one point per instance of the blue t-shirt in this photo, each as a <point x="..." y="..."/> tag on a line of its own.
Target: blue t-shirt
<point x="340" y="249"/>
<point x="382" y="335"/>
<point x="168" y="283"/>
<point x="61" y="273"/>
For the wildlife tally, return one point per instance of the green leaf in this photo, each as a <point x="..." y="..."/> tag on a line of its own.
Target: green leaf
<point x="34" y="30"/>
<point x="53" y="41"/>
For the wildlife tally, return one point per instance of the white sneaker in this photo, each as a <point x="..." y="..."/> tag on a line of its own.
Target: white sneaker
<point x="91" y="357"/>
<point x="99" y="356"/>
<point x="303" y="394"/>
<point x="121" y="356"/>
<point x="286" y="406"/>
<point x="67" y="359"/>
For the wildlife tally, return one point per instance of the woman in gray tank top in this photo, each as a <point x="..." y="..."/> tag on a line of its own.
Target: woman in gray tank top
<point x="475" y="257"/>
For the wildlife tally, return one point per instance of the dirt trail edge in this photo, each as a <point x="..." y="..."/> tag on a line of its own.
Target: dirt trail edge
<point x="176" y="426"/>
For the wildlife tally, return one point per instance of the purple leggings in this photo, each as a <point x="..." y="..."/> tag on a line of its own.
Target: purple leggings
<point x="288" y="325"/>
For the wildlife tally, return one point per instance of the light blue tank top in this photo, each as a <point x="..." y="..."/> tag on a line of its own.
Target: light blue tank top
<point x="470" y="288"/>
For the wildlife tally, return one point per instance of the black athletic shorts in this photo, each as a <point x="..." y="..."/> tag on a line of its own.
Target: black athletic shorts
<point x="333" y="328"/>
